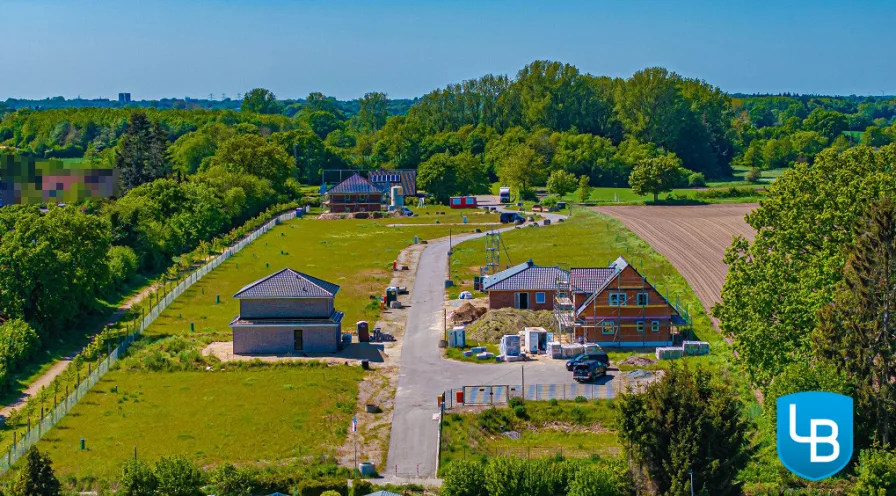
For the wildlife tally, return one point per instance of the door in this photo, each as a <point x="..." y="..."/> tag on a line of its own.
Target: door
<point x="522" y="301"/>
<point x="298" y="341"/>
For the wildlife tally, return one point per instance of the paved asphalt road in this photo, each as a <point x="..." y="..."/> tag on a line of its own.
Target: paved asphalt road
<point x="424" y="374"/>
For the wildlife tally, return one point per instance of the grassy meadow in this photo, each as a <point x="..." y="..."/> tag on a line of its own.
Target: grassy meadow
<point x="283" y="414"/>
<point x="547" y="429"/>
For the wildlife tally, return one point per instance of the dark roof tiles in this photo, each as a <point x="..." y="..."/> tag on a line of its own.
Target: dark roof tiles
<point x="355" y="185"/>
<point x="288" y="283"/>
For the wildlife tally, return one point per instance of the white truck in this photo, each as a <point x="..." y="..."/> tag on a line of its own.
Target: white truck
<point x="504" y="194"/>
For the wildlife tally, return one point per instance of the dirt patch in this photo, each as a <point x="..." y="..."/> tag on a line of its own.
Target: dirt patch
<point x="637" y="361"/>
<point x="692" y="238"/>
<point x="497" y="323"/>
<point x="467" y="313"/>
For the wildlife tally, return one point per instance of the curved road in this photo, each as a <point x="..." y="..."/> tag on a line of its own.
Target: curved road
<point x="424" y="374"/>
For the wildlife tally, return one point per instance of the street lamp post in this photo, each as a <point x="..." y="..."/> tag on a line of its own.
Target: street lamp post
<point x="691" y="473"/>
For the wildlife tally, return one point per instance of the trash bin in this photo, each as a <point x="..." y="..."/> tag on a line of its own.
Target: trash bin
<point x="363" y="331"/>
<point x="391" y="295"/>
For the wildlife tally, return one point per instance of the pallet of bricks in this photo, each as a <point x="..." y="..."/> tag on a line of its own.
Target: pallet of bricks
<point x="687" y="348"/>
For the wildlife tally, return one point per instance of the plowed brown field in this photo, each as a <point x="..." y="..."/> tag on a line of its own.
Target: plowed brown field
<point x="692" y="238"/>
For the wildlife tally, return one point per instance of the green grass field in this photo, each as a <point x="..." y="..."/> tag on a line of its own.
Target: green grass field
<point x="590" y="239"/>
<point x="567" y="428"/>
<point x="271" y="414"/>
<point x="355" y="254"/>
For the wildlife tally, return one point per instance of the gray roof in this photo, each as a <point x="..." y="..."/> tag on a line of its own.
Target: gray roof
<point x="530" y="277"/>
<point x="383" y="493"/>
<point x="354" y="184"/>
<point x="589" y="280"/>
<point x="288" y="283"/>
<point x="525" y="276"/>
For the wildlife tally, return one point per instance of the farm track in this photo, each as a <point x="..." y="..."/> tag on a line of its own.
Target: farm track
<point x="692" y="238"/>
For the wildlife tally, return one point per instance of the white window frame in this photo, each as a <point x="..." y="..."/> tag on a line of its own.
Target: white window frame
<point x="540" y="298"/>
<point x="608" y="327"/>
<point x="639" y="325"/>
<point x="646" y="299"/>
<point x="655" y="326"/>
<point x="617" y="299"/>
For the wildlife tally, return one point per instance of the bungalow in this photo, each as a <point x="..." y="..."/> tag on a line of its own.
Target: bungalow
<point x="287" y="312"/>
<point x="612" y="306"/>
<point x="355" y="194"/>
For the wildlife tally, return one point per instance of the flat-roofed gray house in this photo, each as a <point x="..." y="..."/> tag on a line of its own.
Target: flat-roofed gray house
<point x="287" y="312"/>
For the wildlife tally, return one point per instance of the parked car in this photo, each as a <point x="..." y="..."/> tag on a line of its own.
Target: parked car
<point x="407" y="212"/>
<point x="598" y="357"/>
<point x="589" y="370"/>
<point x="512" y="218"/>
<point x="466" y="295"/>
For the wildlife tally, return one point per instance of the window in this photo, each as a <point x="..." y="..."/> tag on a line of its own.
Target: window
<point x="298" y="340"/>
<point x="539" y="297"/>
<point x="655" y="326"/>
<point x="640" y="325"/>
<point x="608" y="327"/>
<point x="455" y="201"/>
<point x="642" y="299"/>
<point x="617" y="299"/>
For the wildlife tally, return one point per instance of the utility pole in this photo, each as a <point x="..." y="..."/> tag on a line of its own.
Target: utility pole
<point x="691" y="473"/>
<point x="523" y="378"/>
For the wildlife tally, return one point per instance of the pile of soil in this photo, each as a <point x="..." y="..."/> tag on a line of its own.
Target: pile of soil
<point x="467" y="313"/>
<point x="497" y="323"/>
<point x="637" y="361"/>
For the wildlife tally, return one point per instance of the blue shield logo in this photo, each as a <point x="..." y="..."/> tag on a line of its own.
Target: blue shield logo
<point x="815" y="433"/>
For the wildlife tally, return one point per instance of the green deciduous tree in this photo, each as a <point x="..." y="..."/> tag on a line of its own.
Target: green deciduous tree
<point x="261" y="101"/>
<point x="562" y="183"/>
<point x="656" y="175"/>
<point x="590" y="481"/>
<point x="777" y="284"/>
<point x="233" y="481"/>
<point x="521" y="168"/>
<point x="373" y="112"/>
<point x="686" y="422"/>
<point x="254" y="155"/>
<point x="828" y="123"/>
<point x="36" y="477"/>
<point x="584" y="190"/>
<point x="875" y="473"/>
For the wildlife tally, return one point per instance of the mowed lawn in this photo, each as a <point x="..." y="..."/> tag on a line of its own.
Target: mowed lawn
<point x="590" y="239"/>
<point x="355" y="254"/>
<point x="279" y="414"/>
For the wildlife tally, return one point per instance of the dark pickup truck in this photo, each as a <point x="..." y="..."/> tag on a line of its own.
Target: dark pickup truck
<point x="600" y="356"/>
<point x="589" y="370"/>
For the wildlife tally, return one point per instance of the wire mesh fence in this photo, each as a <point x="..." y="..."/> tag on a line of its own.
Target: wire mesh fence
<point x="501" y="394"/>
<point x="525" y="452"/>
<point x="34" y="433"/>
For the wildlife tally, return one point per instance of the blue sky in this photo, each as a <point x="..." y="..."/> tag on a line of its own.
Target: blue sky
<point x="162" y="48"/>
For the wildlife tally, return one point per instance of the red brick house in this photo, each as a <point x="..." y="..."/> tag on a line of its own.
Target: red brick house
<point x="355" y="194"/>
<point x="613" y="306"/>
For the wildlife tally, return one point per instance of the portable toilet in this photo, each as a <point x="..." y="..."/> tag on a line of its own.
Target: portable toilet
<point x="536" y="339"/>
<point x="457" y="337"/>
<point x="397" y="196"/>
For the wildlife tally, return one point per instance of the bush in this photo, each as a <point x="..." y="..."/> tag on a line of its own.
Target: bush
<point x="494" y="420"/>
<point x="177" y="476"/>
<point x="515" y="401"/>
<point x="123" y="264"/>
<point x="875" y="473"/>
<point x="549" y="201"/>
<point x="591" y="481"/>
<point x="138" y="479"/>
<point x="233" y="481"/>
<point x="463" y="478"/>
<point x="361" y="487"/>
<point x="753" y="175"/>
<point x="581" y="399"/>
<point x="553" y="402"/>
<point x="696" y="180"/>
<point x="18" y="343"/>
<point x="317" y="487"/>
<point x="520" y="412"/>
<point x="730" y="192"/>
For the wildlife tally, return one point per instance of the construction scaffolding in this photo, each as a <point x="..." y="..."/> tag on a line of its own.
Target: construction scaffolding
<point x="564" y="308"/>
<point x="492" y="252"/>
